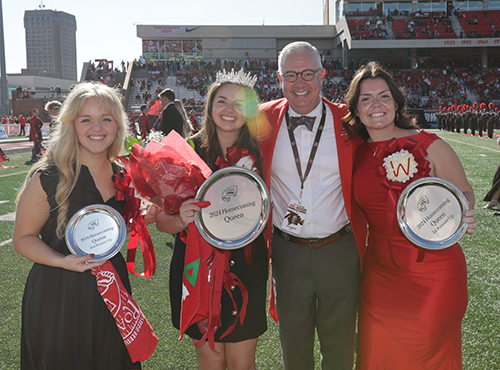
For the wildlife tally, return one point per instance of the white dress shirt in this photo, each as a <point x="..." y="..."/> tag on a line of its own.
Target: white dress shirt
<point x="322" y="193"/>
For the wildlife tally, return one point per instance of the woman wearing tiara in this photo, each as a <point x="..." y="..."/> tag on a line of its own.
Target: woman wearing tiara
<point x="230" y="109"/>
<point x="412" y="300"/>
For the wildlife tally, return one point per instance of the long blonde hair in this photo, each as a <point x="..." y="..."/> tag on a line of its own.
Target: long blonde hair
<point x="63" y="147"/>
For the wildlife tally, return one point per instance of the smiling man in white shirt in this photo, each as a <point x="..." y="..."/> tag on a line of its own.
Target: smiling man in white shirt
<point x="315" y="260"/>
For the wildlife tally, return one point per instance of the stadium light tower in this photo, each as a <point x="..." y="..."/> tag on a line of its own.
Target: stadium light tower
<point x="4" y="90"/>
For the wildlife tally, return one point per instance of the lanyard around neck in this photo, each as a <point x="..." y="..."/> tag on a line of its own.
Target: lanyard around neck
<point x="314" y="148"/>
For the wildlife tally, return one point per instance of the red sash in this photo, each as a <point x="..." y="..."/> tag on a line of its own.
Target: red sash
<point x="134" y="328"/>
<point x="206" y="274"/>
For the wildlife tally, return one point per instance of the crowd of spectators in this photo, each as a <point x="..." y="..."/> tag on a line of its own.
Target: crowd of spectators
<point x="451" y="64"/>
<point x="198" y="75"/>
<point x="54" y="92"/>
<point x="428" y="25"/>
<point x="16" y="120"/>
<point x="104" y="71"/>
<point x="437" y="82"/>
<point x="480" y="24"/>
<point x="486" y="84"/>
<point x="475" y="24"/>
<point x="372" y="27"/>
<point x="390" y="64"/>
<point x="428" y="88"/>
<point x="9" y="120"/>
<point x="23" y="92"/>
<point x="371" y="24"/>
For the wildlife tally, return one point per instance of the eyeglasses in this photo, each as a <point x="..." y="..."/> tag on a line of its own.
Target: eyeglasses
<point x="307" y="75"/>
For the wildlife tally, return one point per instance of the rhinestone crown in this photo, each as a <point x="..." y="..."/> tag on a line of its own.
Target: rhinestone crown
<point x="237" y="78"/>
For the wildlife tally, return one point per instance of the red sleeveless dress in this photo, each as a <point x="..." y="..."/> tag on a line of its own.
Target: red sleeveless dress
<point x="412" y="300"/>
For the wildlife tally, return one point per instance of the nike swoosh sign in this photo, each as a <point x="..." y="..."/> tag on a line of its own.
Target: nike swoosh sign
<point x="192" y="29"/>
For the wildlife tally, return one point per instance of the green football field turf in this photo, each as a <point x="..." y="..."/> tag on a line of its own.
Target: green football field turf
<point x="481" y="326"/>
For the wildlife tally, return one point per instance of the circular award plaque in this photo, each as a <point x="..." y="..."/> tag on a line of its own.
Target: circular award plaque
<point x="239" y="208"/>
<point x="96" y="229"/>
<point x="430" y="212"/>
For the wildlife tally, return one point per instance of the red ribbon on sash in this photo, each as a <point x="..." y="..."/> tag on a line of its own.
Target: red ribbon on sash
<point x="139" y="233"/>
<point x="136" y="332"/>
<point x="206" y="274"/>
<point x="233" y="155"/>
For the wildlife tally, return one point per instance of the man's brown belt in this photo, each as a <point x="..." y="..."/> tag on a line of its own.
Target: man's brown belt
<point x="315" y="242"/>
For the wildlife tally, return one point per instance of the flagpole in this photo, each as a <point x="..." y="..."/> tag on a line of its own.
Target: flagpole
<point x="4" y="90"/>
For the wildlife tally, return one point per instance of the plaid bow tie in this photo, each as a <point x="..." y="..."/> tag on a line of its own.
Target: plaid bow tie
<point x="302" y="120"/>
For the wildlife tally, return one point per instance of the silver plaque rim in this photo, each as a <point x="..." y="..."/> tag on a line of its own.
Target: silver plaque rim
<point x="259" y="225"/>
<point x="407" y="230"/>
<point x="96" y="208"/>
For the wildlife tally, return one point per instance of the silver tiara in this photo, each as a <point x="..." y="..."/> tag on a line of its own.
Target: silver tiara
<point x="237" y="78"/>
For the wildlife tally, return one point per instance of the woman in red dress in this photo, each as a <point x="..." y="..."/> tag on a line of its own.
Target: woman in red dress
<point x="412" y="300"/>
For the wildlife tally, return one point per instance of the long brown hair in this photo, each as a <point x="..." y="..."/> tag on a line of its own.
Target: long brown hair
<point x="210" y="147"/>
<point x="372" y="70"/>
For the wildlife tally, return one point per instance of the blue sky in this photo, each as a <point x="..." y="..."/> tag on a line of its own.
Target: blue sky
<point x="105" y="29"/>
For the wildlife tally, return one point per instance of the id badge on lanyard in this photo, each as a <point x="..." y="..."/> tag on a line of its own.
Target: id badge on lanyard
<point x="295" y="217"/>
<point x="296" y="213"/>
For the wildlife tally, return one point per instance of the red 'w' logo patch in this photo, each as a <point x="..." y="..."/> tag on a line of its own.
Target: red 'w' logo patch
<point x="400" y="166"/>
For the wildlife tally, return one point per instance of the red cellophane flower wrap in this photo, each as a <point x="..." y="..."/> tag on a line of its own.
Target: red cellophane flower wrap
<point x="166" y="173"/>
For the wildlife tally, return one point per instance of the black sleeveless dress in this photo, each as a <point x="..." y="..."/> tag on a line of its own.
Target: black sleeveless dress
<point x="65" y="322"/>
<point x="254" y="278"/>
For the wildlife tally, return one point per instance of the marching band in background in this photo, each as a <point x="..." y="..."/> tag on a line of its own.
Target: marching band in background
<point x="478" y="117"/>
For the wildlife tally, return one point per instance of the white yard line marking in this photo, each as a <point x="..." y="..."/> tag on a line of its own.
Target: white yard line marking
<point x="13" y="174"/>
<point x="8" y="217"/>
<point x="6" y="242"/>
<point x="477" y="146"/>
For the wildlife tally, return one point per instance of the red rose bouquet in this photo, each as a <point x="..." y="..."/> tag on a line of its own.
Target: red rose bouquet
<point x="166" y="173"/>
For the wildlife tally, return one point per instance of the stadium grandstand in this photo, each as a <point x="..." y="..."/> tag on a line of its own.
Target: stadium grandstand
<point x="444" y="53"/>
